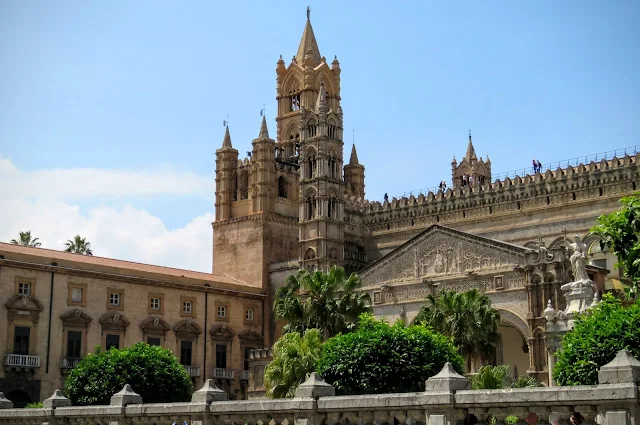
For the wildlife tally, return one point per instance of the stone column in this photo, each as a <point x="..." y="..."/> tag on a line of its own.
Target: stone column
<point x="623" y="369"/>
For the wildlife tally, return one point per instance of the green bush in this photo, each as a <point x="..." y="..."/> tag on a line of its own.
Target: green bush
<point x="497" y="377"/>
<point x="153" y="372"/>
<point x="34" y="405"/>
<point x="378" y="358"/>
<point x="595" y="341"/>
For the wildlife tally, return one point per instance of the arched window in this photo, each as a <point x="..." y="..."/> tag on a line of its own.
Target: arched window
<point x="311" y="163"/>
<point x="311" y="207"/>
<point x="310" y="254"/>
<point x="332" y="210"/>
<point x="294" y="97"/>
<point x="282" y="187"/>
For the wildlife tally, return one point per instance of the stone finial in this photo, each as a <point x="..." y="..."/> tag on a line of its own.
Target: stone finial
<point x="56" y="400"/>
<point x="549" y="313"/>
<point x="315" y="387"/>
<point x="447" y="380"/>
<point x="624" y="368"/>
<point x="209" y="393"/>
<point x="125" y="397"/>
<point x="5" y="403"/>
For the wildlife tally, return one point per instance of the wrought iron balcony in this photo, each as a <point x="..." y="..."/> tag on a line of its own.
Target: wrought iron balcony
<point x="244" y="375"/>
<point x="21" y="360"/>
<point x="193" y="371"/>
<point x="70" y="362"/>
<point x="223" y="373"/>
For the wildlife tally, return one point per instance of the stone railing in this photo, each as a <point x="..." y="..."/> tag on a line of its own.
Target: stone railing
<point x="20" y="360"/>
<point x="447" y="400"/>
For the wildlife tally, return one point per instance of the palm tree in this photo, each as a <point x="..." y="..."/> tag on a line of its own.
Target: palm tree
<point x="78" y="245"/>
<point x="466" y="317"/>
<point x="294" y="358"/>
<point x="325" y="301"/>
<point x="26" y="240"/>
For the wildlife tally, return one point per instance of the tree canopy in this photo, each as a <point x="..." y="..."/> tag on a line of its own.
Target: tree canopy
<point x="294" y="358"/>
<point x="329" y="302"/>
<point x="26" y="240"/>
<point x="620" y="232"/>
<point x="596" y="339"/>
<point x="378" y="358"/>
<point x="78" y="245"/>
<point x="468" y="318"/>
<point x="152" y="371"/>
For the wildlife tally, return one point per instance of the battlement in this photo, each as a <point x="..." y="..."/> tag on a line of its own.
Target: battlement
<point x="607" y="177"/>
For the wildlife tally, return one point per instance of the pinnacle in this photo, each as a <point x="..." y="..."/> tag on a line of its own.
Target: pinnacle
<point x="308" y="45"/>
<point x="226" y="143"/>
<point x="471" y="152"/>
<point x="354" y="156"/>
<point x="264" y="131"/>
<point x="321" y="103"/>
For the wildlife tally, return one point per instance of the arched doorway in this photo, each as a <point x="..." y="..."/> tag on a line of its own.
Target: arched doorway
<point x="19" y="398"/>
<point x="513" y="348"/>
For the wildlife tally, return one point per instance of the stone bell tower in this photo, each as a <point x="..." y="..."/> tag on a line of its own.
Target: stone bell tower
<point x="310" y="128"/>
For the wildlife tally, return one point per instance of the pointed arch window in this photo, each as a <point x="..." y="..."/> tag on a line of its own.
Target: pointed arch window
<point x="294" y="98"/>
<point x="332" y="207"/>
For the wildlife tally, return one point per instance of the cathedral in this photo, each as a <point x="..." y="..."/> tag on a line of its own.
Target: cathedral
<point x="297" y="202"/>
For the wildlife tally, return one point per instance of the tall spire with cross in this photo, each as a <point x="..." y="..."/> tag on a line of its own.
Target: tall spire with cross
<point x="308" y="43"/>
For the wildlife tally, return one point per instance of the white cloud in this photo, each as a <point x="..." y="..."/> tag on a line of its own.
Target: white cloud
<point x="40" y="201"/>
<point x="82" y="183"/>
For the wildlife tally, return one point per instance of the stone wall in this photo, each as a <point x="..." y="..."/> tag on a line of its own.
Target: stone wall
<point x="512" y="210"/>
<point x="447" y="400"/>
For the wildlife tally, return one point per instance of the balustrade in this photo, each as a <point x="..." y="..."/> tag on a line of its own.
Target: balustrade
<point x="193" y="371"/>
<point x="223" y="373"/>
<point x="21" y="360"/>
<point x="447" y="399"/>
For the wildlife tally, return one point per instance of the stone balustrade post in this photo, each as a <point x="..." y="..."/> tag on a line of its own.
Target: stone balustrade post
<point x="450" y="381"/>
<point x="315" y="387"/>
<point x="623" y="372"/>
<point x="5" y="403"/>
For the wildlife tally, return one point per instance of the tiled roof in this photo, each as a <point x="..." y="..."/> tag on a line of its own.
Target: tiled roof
<point x="110" y="265"/>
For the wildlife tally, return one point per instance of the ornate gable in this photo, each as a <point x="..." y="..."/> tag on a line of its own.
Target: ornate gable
<point x="114" y="321"/>
<point x="24" y="305"/>
<point x="250" y="335"/>
<point x="222" y="332"/>
<point x="76" y="318"/>
<point x="441" y="251"/>
<point x="187" y="329"/>
<point x="154" y="324"/>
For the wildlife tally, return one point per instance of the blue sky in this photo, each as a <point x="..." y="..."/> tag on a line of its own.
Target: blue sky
<point x="122" y="88"/>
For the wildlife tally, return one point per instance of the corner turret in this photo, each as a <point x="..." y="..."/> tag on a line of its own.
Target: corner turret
<point x="354" y="176"/>
<point x="226" y="165"/>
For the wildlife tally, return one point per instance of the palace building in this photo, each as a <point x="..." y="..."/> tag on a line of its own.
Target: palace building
<point x="294" y="203"/>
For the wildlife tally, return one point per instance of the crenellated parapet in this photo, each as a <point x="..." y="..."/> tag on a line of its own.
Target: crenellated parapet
<point x="615" y="177"/>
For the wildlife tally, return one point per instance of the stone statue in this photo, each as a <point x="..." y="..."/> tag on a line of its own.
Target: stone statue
<point x="308" y="13"/>
<point x="578" y="259"/>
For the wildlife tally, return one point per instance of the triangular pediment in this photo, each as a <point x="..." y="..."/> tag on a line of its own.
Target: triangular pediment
<point x="440" y="251"/>
<point x="24" y="302"/>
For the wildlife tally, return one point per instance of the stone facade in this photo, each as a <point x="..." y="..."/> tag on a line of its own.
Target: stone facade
<point x="56" y="307"/>
<point x="309" y="210"/>
<point x="447" y="400"/>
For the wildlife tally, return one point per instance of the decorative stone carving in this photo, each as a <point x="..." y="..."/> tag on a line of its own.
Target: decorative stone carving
<point x="441" y="251"/>
<point x="250" y="335"/>
<point x="21" y="305"/>
<point x="187" y="329"/>
<point x="114" y="321"/>
<point x="222" y="333"/>
<point x="154" y="324"/>
<point x="76" y="318"/>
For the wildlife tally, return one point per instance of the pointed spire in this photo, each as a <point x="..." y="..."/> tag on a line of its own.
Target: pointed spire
<point x="321" y="102"/>
<point x="308" y="43"/>
<point x="354" y="156"/>
<point x="226" y="143"/>
<point x="264" y="131"/>
<point x="471" y="152"/>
